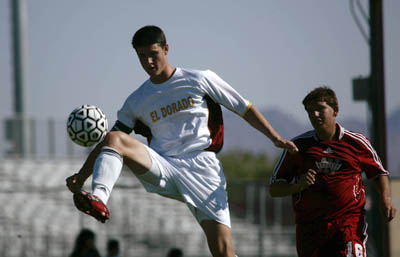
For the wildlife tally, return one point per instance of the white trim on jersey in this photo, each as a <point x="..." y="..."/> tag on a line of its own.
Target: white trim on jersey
<point x="365" y="229"/>
<point x="273" y="179"/>
<point x="276" y="168"/>
<point x="356" y="136"/>
<point x="365" y="142"/>
<point x="342" y="130"/>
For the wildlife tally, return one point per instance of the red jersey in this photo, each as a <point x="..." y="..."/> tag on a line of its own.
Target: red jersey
<point x="338" y="189"/>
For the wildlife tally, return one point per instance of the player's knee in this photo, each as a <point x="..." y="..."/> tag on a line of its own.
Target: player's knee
<point x="113" y="139"/>
<point x="119" y="140"/>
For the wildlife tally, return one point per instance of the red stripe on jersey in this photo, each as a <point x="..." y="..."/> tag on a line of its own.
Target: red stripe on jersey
<point x="215" y="125"/>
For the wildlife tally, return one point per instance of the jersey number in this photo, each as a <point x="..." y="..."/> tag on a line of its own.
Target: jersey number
<point x="358" y="250"/>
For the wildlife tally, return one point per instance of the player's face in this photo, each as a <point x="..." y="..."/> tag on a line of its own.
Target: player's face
<point x="153" y="59"/>
<point x="321" y="115"/>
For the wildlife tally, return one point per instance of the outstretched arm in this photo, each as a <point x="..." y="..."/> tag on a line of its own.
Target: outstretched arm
<point x="259" y="122"/>
<point x="383" y="186"/>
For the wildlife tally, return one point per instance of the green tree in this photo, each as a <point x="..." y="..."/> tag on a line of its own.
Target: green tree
<point x="240" y="165"/>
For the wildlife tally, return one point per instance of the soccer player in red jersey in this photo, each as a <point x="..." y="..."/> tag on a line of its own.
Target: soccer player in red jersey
<point x="325" y="181"/>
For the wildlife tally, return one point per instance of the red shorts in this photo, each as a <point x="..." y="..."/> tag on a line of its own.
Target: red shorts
<point x="342" y="237"/>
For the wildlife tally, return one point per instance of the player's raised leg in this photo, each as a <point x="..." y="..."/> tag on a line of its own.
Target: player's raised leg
<point x="134" y="153"/>
<point x="105" y="162"/>
<point x="219" y="238"/>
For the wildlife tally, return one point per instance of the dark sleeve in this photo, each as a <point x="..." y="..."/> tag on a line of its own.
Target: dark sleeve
<point x="140" y="129"/>
<point x="119" y="126"/>
<point x="285" y="168"/>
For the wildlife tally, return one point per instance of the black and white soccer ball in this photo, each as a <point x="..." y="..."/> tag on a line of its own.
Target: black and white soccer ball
<point x="87" y="125"/>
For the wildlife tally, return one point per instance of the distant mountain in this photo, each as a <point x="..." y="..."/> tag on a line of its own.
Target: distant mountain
<point x="240" y="136"/>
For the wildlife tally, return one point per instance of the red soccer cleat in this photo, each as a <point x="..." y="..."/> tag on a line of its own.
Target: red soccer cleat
<point x="91" y="205"/>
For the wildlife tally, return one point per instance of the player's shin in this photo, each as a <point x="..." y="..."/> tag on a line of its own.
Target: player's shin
<point x="106" y="171"/>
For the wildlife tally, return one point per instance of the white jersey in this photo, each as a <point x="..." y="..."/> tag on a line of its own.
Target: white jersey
<point x="178" y="113"/>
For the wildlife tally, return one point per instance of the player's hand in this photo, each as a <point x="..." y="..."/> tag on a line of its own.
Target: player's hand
<point x="388" y="210"/>
<point x="75" y="183"/>
<point x="307" y="179"/>
<point x="286" y="144"/>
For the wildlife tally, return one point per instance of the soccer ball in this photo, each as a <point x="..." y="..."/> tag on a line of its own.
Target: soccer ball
<point x="87" y="125"/>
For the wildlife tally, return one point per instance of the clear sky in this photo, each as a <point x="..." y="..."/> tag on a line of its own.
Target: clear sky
<point x="272" y="52"/>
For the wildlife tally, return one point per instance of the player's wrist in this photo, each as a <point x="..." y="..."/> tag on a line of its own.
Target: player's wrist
<point x="298" y="188"/>
<point x="386" y="200"/>
<point x="277" y="140"/>
<point x="80" y="178"/>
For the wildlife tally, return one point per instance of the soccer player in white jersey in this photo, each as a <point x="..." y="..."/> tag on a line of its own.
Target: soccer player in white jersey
<point x="178" y="110"/>
<point x="325" y="181"/>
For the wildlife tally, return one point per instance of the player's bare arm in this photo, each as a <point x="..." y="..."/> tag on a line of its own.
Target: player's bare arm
<point x="281" y="188"/>
<point x="259" y="122"/>
<point x="387" y="208"/>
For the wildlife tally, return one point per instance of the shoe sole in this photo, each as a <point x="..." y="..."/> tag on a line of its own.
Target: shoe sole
<point x="84" y="204"/>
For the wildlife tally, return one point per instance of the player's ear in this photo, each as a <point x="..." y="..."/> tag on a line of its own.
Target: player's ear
<point x="166" y="48"/>
<point x="336" y="109"/>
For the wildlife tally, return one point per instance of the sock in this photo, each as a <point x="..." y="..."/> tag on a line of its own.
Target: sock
<point x="106" y="171"/>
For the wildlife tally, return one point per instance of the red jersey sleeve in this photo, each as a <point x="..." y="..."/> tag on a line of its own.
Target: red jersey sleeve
<point x="369" y="159"/>
<point x="285" y="168"/>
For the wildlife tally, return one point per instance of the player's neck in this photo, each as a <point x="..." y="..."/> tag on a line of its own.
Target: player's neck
<point x="326" y="133"/>
<point x="164" y="75"/>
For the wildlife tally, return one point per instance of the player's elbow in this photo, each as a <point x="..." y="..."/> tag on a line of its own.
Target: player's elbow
<point x="273" y="192"/>
<point x="279" y="189"/>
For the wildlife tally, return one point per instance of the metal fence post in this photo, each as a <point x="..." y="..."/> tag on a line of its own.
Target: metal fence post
<point x="52" y="137"/>
<point x="262" y="220"/>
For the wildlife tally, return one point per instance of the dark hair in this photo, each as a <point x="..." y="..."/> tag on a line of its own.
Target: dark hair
<point x="112" y="244"/>
<point x="175" y="252"/>
<point x="323" y="94"/>
<point x="149" y="35"/>
<point x="81" y="240"/>
<point x="83" y="236"/>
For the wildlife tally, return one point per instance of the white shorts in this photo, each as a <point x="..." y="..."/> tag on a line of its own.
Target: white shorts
<point x="196" y="179"/>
